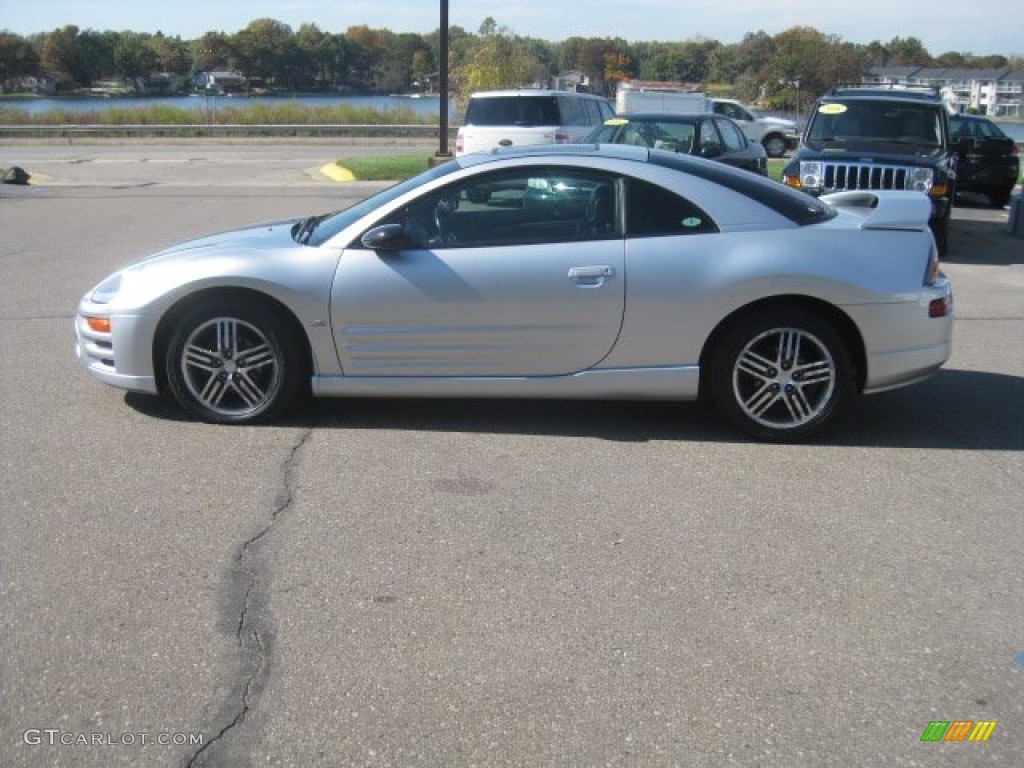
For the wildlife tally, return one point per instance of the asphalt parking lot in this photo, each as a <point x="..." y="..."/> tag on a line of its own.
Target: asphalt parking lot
<point x="378" y="583"/>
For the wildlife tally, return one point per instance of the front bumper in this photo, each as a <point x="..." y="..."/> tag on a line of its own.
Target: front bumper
<point x="112" y="357"/>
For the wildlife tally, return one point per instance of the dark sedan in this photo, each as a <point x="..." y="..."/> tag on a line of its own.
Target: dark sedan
<point x="710" y="136"/>
<point x="988" y="160"/>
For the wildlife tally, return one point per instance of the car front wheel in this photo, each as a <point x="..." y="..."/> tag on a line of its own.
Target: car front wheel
<point x="781" y="374"/>
<point x="233" y="361"/>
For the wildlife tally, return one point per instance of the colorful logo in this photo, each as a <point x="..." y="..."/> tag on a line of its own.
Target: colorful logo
<point x="958" y="730"/>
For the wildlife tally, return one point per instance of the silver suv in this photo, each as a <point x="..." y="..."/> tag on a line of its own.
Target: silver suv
<point x="518" y="118"/>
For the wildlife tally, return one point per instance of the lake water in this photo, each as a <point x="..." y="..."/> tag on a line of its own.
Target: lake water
<point x="429" y="107"/>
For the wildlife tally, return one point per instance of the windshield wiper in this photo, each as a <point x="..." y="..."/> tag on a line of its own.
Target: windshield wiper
<point x="306" y="227"/>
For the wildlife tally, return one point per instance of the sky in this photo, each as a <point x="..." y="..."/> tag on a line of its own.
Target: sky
<point x="981" y="27"/>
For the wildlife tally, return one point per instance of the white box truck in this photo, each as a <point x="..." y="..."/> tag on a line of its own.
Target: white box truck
<point x="776" y="134"/>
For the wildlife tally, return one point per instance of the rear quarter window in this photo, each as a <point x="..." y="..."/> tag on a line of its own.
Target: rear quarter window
<point x="652" y="211"/>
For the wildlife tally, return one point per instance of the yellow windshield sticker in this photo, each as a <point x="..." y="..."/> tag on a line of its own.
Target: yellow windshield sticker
<point x="616" y="121"/>
<point x="831" y="109"/>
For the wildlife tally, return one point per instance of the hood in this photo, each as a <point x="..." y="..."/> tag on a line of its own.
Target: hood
<point x="780" y="122"/>
<point x="253" y="240"/>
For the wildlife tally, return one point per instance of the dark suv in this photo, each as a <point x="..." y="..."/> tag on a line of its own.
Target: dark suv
<point x="869" y="138"/>
<point x="989" y="161"/>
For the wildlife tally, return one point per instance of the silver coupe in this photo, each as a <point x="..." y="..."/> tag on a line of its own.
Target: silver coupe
<point x="575" y="271"/>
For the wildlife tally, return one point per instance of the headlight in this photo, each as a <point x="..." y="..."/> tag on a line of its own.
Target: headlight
<point x="812" y="174"/>
<point x="105" y="292"/>
<point x="920" y="179"/>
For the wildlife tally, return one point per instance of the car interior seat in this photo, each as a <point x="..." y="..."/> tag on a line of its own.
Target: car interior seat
<point x="599" y="217"/>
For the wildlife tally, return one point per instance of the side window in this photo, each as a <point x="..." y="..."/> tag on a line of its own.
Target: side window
<point x="543" y="204"/>
<point x="607" y="113"/>
<point x="653" y="211"/>
<point x="573" y="112"/>
<point x="709" y="135"/>
<point x="731" y="135"/>
<point x="724" y="108"/>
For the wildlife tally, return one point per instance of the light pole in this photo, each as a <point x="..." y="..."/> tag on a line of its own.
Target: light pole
<point x="443" y="153"/>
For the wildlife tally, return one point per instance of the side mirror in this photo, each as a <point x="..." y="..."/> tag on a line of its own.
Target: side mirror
<point x="711" y="150"/>
<point x="388" y="237"/>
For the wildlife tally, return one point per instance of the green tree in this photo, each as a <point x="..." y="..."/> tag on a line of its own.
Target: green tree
<point x="267" y="50"/>
<point x="214" y="51"/>
<point x="171" y="54"/>
<point x="17" y="59"/>
<point x="907" y="51"/>
<point x="498" y="60"/>
<point x="132" y="56"/>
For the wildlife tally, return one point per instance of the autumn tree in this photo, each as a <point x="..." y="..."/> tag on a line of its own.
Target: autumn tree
<point x="604" y="61"/>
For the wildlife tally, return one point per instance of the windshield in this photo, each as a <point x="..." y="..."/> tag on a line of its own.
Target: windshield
<point x="326" y="228"/>
<point x="876" y="121"/>
<point x="675" y="135"/>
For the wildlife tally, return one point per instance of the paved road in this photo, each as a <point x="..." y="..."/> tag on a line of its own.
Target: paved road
<point x="176" y="162"/>
<point x="378" y="583"/>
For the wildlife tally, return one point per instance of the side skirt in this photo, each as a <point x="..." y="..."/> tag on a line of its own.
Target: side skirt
<point x="675" y="383"/>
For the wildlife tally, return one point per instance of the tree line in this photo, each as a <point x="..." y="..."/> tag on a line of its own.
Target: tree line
<point x="772" y="69"/>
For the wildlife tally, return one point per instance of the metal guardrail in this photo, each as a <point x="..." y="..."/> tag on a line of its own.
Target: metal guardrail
<point x="214" y="129"/>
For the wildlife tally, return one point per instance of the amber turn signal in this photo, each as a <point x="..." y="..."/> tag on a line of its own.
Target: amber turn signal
<point x="98" y="324"/>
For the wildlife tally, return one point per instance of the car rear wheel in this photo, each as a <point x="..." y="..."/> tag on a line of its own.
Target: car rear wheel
<point x="774" y="146"/>
<point x="781" y="374"/>
<point x="233" y="361"/>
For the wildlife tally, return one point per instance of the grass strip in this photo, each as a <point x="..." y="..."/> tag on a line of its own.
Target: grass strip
<point x="395" y="167"/>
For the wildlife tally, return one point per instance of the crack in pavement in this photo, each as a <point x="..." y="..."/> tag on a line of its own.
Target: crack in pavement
<point x="248" y="576"/>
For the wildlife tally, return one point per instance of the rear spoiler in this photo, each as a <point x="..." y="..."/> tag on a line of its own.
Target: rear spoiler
<point x="885" y="209"/>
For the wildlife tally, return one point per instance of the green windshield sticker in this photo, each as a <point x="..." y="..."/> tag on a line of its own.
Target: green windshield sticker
<point x="832" y="109"/>
<point x="691" y="221"/>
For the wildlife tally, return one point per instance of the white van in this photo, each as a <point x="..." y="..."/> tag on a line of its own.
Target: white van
<point x="528" y="116"/>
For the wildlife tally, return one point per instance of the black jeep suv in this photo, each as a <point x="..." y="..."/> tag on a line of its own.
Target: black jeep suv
<point x="860" y="137"/>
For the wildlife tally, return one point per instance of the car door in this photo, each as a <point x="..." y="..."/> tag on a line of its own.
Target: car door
<point x="737" y="148"/>
<point x="514" y="273"/>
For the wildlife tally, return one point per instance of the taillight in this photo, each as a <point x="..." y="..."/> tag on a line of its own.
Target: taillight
<point x="561" y="137"/>
<point x="460" y="142"/>
<point x="943" y="306"/>
<point x="940" y="307"/>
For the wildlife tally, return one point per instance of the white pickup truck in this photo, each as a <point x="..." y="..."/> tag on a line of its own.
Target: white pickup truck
<point x="775" y="134"/>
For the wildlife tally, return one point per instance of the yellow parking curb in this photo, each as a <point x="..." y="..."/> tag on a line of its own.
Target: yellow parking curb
<point x="335" y="172"/>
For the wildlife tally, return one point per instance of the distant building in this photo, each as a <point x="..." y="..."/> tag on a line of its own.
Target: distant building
<point x="570" y="81"/>
<point x="995" y="92"/>
<point x="221" y="82"/>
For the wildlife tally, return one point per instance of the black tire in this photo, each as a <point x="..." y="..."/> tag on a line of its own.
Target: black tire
<point x="781" y="374"/>
<point x="999" y="198"/>
<point x="234" y="361"/>
<point x="774" y="145"/>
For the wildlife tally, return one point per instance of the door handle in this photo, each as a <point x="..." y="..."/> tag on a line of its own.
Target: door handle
<point x="582" y="273"/>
